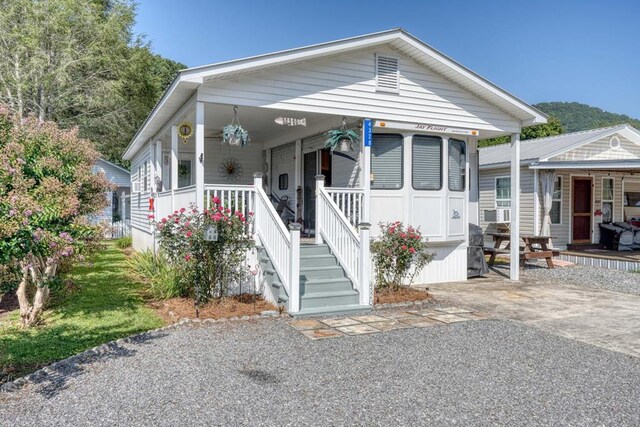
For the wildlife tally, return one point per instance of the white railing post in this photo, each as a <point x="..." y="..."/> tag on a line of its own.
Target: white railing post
<point x="319" y="187"/>
<point x="294" y="268"/>
<point x="364" y="269"/>
<point x="257" y="180"/>
<point x="366" y="169"/>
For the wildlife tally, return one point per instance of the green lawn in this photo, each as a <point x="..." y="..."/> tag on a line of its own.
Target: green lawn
<point x="107" y="305"/>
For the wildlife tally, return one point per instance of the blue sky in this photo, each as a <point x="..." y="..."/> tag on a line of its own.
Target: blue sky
<point x="564" y="50"/>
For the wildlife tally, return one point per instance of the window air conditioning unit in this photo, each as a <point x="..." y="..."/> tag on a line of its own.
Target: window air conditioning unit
<point x="503" y="215"/>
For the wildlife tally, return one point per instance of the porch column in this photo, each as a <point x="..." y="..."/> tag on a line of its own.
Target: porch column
<point x="294" y="267"/>
<point x="319" y="185"/>
<point x="157" y="182"/>
<point x="474" y="184"/>
<point x="174" y="157"/>
<point x="123" y="206"/>
<point x="200" y="154"/>
<point x="152" y="167"/>
<point x="365" y="157"/>
<point x="514" y="273"/>
<point x="297" y="177"/>
<point x="366" y="293"/>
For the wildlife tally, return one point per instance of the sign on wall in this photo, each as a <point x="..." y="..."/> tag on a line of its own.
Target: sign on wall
<point x="421" y="127"/>
<point x="368" y="132"/>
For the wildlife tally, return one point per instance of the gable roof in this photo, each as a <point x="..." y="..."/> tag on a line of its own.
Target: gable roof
<point x="187" y="81"/>
<point x="541" y="149"/>
<point x="118" y="167"/>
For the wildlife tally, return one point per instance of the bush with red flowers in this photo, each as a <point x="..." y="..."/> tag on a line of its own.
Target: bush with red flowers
<point x="207" y="269"/>
<point x="399" y="254"/>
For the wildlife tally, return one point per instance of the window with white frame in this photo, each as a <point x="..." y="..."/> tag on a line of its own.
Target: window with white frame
<point x="457" y="164"/>
<point x="503" y="192"/>
<point x="145" y="186"/>
<point x="386" y="162"/>
<point x="556" y="203"/>
<point x="426" y="162"/>
<point x="607" y="199"/>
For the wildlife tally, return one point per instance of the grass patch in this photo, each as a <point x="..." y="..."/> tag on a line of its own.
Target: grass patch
<point x="107" y="304"/>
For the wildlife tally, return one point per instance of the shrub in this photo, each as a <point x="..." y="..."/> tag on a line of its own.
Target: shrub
<point x="399" y="254"/>
<point x="124" y="242"/>
<point x="208" y="268"/>
<point x="164" y="281"/>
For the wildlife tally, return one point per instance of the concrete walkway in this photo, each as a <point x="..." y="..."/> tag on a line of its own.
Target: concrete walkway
<point x="602" y="318"/>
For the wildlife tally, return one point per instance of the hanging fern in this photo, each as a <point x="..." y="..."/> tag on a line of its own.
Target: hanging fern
<point x="334" y="137"/>
<point x="235" y="135"/>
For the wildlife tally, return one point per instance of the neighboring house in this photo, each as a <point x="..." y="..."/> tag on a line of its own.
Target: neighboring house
<point x="571" y="182"/>
<point x="119" y="204"/>
<point x="420" y="114"/>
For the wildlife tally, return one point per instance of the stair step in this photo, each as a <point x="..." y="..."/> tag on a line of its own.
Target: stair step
<point x="314" y="250"/>
<point x="329" y="299"/>
<point x="325" y="285"/>
<point x="326" y="272"/>
<point x="324" y="260"/>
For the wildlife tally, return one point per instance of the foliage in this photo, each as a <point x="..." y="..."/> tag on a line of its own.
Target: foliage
<point x="575" y="116"/>
<point x="336" y="136"/>
<point x="398" y="254"/>
<point x="551" y="128"/>
<point x="235" y="135"/>
<point x="90" y="71"/>
<point x="124" y="242"/>
<point x="164" y="281"/>
<point x="106" y="305"/>
<point x="47" y="188"/>
<point x="208" y="268"/>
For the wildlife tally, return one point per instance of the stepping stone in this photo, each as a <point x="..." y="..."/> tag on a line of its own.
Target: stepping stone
<point x="448" y="318"/>
<point x="424" y="312"/>
<point x="369" y="319"/>
<point x="306" y="324"/>
<point x="422" y="322"/>
<point x="334" y="323"/>
<point x="453" y="310"/>
<point x="321" y="334"/>
<point x="390" y="325"/>
<point x="398" y="315"/>
<point x="475" y="316"/>
<point x="360" y="329"/>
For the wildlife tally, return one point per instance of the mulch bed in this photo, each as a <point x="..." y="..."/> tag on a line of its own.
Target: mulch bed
<point x="391" y="296"/>
<point x="175" y="309"/>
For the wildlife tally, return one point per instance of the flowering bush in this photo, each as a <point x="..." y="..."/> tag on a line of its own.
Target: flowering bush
<point x="398" y="254"/>
<point x="208" y="268"/>
<point x="47" y="187"/>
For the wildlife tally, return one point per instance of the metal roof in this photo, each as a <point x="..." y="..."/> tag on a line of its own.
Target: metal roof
<point x="186" y="83"/>
<point x="540" y="149"/>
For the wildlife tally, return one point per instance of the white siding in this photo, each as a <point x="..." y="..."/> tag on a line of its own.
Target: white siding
<point x="140" y="201"/>
<point x="488" y="199"/>
<point x="601" y="150"/>
<point x="283" y="162"/>
<point x="250" y="157"/>
<point x="345" y="84"/>
<point x="114" y="174"/>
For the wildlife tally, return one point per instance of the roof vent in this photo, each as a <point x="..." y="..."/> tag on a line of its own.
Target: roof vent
<point x="614" y="142"/>
<point x="387" y="75"/>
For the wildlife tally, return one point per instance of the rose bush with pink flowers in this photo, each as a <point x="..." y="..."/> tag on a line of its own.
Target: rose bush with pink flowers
<point x="47" y="188"/>
<point x="206" y="268"/>
<point x="399" y="254"/>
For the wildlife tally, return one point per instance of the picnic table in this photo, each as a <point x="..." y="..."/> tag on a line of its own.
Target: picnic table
<point x="535" y="247"/>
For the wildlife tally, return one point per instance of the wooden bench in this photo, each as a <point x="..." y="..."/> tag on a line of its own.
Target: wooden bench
<point x="524" y="255"/>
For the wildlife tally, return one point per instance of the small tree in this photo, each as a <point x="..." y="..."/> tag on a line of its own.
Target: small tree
<point x="208" y="268"/>
<point x="399" y="254"/>
<point x="47" y="188"/>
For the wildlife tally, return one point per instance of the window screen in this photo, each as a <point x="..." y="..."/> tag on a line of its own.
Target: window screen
<point x="386" y="162"/>
<point x="556" y="203"/>
<point x="457" y="164"/>
<point x="503" y="192"/>
<point x="427" y="162"/>
<point x="283" y="181"/>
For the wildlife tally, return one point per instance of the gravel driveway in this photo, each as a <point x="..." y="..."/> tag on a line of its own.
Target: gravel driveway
<point x="265" y="373"/>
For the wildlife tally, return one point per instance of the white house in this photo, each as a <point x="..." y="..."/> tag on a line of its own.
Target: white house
<point x="118" y="207"/>
<point x="420" y="114"/>
<point x="569" y="184"/>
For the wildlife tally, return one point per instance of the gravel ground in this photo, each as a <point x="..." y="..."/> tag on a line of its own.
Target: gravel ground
<point x="626" y="282"/>
<point x="264" y="373"/>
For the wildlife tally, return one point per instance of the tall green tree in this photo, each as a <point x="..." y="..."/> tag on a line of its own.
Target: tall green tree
<point x="551" y="128"/>
<point x="79" y="63"/>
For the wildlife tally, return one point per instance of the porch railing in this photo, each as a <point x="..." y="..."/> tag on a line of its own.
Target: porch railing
<point x="349" y="201"/>
<point x="338" y="232"/>
<point x="235" y="197"/>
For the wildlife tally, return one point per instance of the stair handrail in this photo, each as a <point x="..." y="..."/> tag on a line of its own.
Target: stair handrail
<point x="338" y="232"/>
<point x="278" y="242"/>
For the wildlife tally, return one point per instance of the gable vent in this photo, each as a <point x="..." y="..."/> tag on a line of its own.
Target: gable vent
<point x="387" y="75"/>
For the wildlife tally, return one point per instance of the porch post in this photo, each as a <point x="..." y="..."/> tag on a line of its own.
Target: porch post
<point x="152" y="167"/>
<point x="123" y="206"/>
<point x="174" y="157"/>
<point x="294" y="267"/>
<point x="319" y="185"/>
<point x="474" y="184"/>
<point x="297" y="177"/>
<point x="366" y="173"/>
<point x="199" y="154"/>
<point x="366" y="294"/>
<point x="514" y="273"/>
<point x="157" y="181"/>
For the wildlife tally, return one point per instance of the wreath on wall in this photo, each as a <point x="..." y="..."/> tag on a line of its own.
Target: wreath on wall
<point x="230" y="169"/>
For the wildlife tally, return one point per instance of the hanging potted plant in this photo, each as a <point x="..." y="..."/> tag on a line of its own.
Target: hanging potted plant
<point x="343" y="138"/>
<point x="233" y="133"/>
